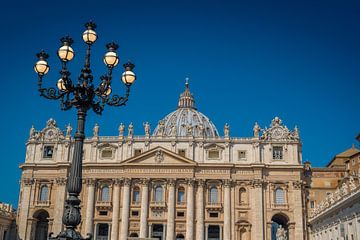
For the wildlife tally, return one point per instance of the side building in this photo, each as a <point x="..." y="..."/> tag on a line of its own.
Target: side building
<point x="183" y="181"/>
<point x="7" y="222"/>
<point x="334" y="198"/>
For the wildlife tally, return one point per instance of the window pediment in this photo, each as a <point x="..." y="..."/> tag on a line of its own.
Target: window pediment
<point x="214" y="146"/>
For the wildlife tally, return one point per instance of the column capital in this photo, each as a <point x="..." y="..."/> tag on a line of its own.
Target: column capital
<point x="145" y="181"/>
<point x="127" y="181"/>
<point x="201" y="182"/>
<point x="117" y="181"/>
<point x="190" y="181"/>
<point x="171" y="181"/>
<point x="60" y="181"/>
<point x="90" y="181"/>
<point x="257" y="183"/>
<point x="28" y="181"/>
<point x="227" y="182"/>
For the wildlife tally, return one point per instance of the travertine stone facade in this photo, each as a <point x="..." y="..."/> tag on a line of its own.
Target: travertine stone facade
<point x="182" y="182"/>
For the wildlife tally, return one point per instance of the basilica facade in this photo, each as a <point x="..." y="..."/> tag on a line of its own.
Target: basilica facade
<point x="181" y="181"/>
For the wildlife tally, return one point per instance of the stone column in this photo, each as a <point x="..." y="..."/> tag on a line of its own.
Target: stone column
<point x="170" y="230"/>
<point x="116" y="210"/>
<point x="24" y="210"/>
<point x="298" y="210"/>
<point x="227" y="210"/>
<point x="125" y="210"/>
<point x="200" y="211"/>
<point x="257" y="231"/>
<point x="89" y="220"/>
<point x="144" y="208"/>
<point x="59" y="205"/>
<point x="190" y="210"/>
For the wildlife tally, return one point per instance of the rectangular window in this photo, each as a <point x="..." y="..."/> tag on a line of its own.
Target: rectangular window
<point x="241" y="155"/>
<point x="182" y="152"/>
<point x="213" y="214"/>
<point x="214" y="154"/>
<point x="48" y="151"/>
<point x="312" y="204"/>
<point x="106" y="153"/>
<point x="180" y="214"/>
<point x="103" y="213"/>
<point x="277" y="153"/>
<point x="135" y="213"/>
<point x="137" y="152"/>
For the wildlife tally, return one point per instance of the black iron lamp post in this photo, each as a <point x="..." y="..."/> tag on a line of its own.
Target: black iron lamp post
<point x="83" y="95"/>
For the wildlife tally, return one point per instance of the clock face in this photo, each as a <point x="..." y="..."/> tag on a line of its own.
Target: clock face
<point x="277" y="133"/>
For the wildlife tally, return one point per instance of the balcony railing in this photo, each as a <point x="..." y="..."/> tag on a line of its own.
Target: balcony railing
<point x="181" y="204"/>
<point x="157" y="204"/>
<point x="280" y="206"/>
<point x="42" y="203"/>
<point x="214" y="206"/>
<point x="136" y="203"/>
<point x="103" y="205"/>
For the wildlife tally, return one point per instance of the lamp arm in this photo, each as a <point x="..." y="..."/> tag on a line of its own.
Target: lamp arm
<point x="117" y="101"/>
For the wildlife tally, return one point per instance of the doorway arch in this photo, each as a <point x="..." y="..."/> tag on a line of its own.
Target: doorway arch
<point x="278" y="221"/>
<point x="42" y="224"/>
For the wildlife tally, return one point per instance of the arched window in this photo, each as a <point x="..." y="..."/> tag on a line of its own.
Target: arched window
<point x="181" y="195"/>
<point x="136" y="195"/>
<point x="158" y="197"/>
<point x="213" y="196"/>
<point x="279" y="196"/>
<point x="105" y="194"/>
<point x="44" y="193"/>
<point x="242" y="196"/>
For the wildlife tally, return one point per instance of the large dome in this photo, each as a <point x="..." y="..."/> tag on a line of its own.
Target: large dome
<point x="186" y="121"/>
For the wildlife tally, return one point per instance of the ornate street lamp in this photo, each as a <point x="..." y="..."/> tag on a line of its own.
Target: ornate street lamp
<point x="83" y="95"/>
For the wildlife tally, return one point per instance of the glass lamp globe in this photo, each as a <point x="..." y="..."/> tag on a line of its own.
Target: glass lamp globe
<point x="111" y="59"/>
<point x="66" y="53"/>
<point x="89" y="36"/>
<point x="41" y="67"/>
<point x="61" y="85"/>
<point x="128" y="77"/>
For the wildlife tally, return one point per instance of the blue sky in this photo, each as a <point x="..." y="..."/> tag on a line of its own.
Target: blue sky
<point x="247" y="61"/>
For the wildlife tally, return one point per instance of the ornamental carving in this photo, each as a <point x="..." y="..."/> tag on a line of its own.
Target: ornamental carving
<point x="297" y="184"/>
<point x="279" y="132"/>
<point x="50" y="133"/>
<point x="159" y="156"/>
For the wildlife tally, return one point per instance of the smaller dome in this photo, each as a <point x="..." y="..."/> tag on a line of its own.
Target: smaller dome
<point x="186" y="121"/>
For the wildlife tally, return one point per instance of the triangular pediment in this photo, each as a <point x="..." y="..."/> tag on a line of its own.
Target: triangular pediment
<point x="161" y="157"/>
